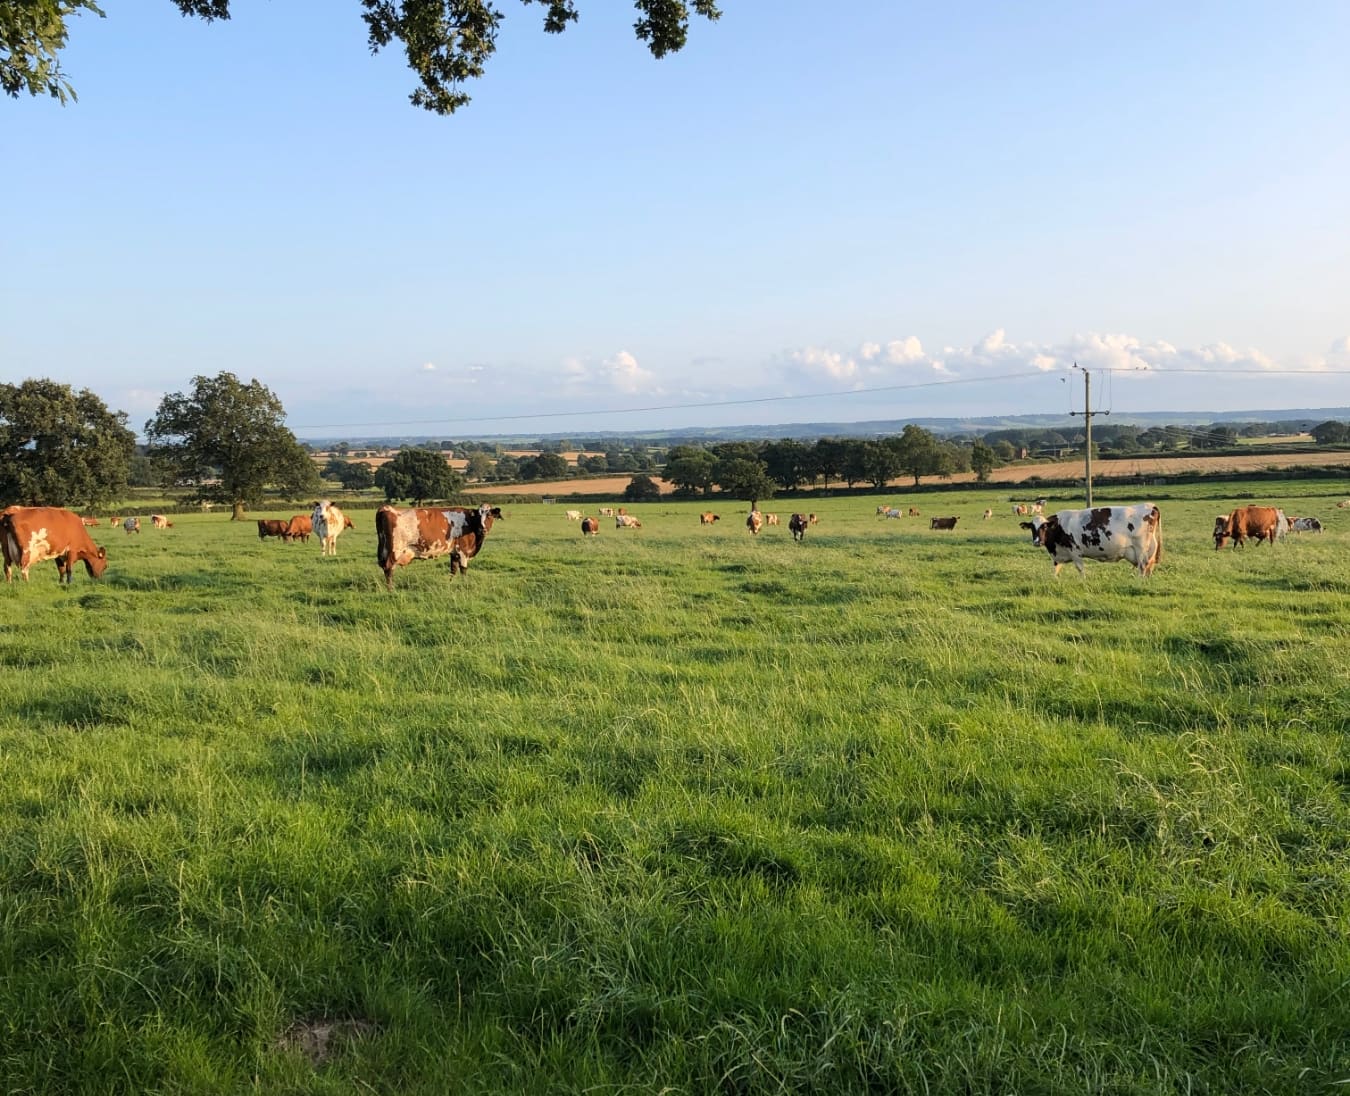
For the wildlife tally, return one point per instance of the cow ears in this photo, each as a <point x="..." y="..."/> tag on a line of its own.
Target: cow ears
<point x="1025" y="525"/>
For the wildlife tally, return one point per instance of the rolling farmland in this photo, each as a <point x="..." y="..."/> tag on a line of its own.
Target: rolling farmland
<point x="678" y="809"/>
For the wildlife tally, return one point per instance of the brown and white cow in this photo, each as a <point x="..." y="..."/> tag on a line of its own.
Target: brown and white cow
<point x="626" y="521"/>
<point x="606" y="511"/>
<point x="1258" y="522"/>
<point x="572" y="515"/>
<point x="913" y="511"/>
<point x="797" y="526"/>
<point x="1105" y="533"/>
<point x="811" y="519"/>
<point x="755" y="522"/>
<point x="1304" y="525"/>
<point x="87" y="521"/>
<point x="132" y="525"/>
<point x="159" y="521"/>
<point x="770" y="519"/>
<point x="402" y="536"/>
<point x="300" y="527"/>
<point x="988" y="514"/>
<point x="942" y="523"/>
<point x="32" y="534"/>
<point x="274" y="527"/>
<point x="708" y="518"/>
<point x="590" y="527"/>
<point x="328" y="523"/>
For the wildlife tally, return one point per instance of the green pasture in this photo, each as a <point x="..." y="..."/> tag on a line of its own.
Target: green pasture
<point x="679" y="810"/>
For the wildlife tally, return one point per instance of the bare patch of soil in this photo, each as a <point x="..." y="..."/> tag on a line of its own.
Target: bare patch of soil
<point x="322" y="1040"/>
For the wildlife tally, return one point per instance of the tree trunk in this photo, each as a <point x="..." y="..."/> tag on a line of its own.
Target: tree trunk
<point x="238" y="513"/>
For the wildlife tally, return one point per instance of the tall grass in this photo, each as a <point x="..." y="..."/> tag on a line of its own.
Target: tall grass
<point x="681" y="809"/>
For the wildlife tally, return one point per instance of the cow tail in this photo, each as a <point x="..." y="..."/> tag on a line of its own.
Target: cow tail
<point x="384" y="539"/>
<point x="1157" y="536"/>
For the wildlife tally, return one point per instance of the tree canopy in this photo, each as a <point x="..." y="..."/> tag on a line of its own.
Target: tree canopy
<point x="59" y="447"/>
<point x="446" y="42"/>
<point x="229" y="442"/>
<point x="418" y="475"/>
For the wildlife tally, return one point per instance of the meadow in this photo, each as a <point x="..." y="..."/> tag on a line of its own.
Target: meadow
<point x="681" y="810"/>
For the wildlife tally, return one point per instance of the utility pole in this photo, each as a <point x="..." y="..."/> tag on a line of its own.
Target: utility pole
<point x="1087" y="414"/>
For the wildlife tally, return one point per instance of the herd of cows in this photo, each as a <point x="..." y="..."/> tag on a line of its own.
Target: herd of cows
<point x="1109" y="534"/>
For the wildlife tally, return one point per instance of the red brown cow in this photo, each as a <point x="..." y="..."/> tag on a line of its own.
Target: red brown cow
<point x="159" y="521"/>
<point x="1260" y="522"/>
<point x="405" y="535"/>
<point x="300" y="527"/>
<point x="942" y="523"/>
<point x="590" y="527"/>
<point x="755" y="522"/>
<point x="31" y="534"/>
<point x="913" y="512"/>
<point x="709" y="518"/>
<point x="87" y="521"/>
<point x="797" y="526"/>
<point x="274" y="527"/>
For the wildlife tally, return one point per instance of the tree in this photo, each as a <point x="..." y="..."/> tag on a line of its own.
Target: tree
<point x="418" y="475"/>
<point x="786" y="462"/>
<point x="479" y="466"/>
<point x="1330" y="432"/>
<point x="641" y="489"/>
<point x="353" y="475"/>
<point x="445" y="42"/>
<point x="744" y="478"/>
<point x="827" y="459"/>
<point x="506" y="469"/>
<point x="59" y="447"/>
<point x="228" y="440"/>
<point x="982" y="461"/>
<point x="690" y="469"/>
<point x="918" y="452"/>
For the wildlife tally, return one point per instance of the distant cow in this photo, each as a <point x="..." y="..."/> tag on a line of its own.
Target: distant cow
<point x="132" y="525"/>
<point x="606" y="511"/>
<point x="159" y="521"/>
<point x="88" y="522"/>
<point x="274" y="527"/>
<point x="988" y="514"/>
<point x="770" y="519"/>
<point x="811" y="519"/>
<point x="913" y="512"/>
<point x="329" y="522"/>
<point x="1021" y="511"/>
<point x="402" y="536"/>
<point x="942" y="523"/>
<point x="708" y="518"/>
<point x="797" y="526"/>
<point x="300" y="527"/>
<point x="1105" y="533"/>
<point x="1259" y="522"/>
<point x="32" y="534"/>
<point x="755" y="522"/>
<point x="889" y="512"/>
<point x="1304" y="525"/>
<point x="1343" y="504"/>
<point x="626" y="521"/>
<point x="590" y="527"/>
<point x="572" y="515"/>
<point x="881" y="510"/>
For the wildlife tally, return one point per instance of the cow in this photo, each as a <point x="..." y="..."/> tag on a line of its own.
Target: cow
<point x="1344" y="504"/>
<point x="913" y="512"/>
<point x="402" y="536"/>
<point x="811" y="519"/>
<point x="890" y="512"/>
<point x="988" y="514"/>
<point x="132" y="525"/>
<point x="31" y="534"/>
<point x="797" y="526"/>
<point x="1021" y="510"/>
<point x="300" y="527"/>
<point x="755" y="522"/>
<point x="1304" y="525"/>
<point x="942" y="523"/>
<point x="572" y="515"/>
<point x="274" y="527"/>
<point x="881" y="510"/>
<point x="590" y="527"/>
<point x="328" y="523"/>
<point x="159" y="521"/>
<point x="770" y="519"/>
<point x="626" y="521"/>
<point x="88" y="522"/>
<point x="1105" y="533"/>
<point x="606" y="511"/>
<point x="1260" y="522"/>
<point x="708" y="518"/>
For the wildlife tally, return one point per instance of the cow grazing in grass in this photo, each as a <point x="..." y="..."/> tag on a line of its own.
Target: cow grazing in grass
<point x="708" y="518"/>
<point x="770" y="519"/>
<point x="402" y="536"/>
<point x="626" y="521"/>
<point x="32" y="534"/>
<point x="1020" y="510"/>
<point x="300" y="527"/>
<point x="274" y="527"/>
<point x="1304" y="525"/>
<point x="942" y="523"/>
<point x="913" y="511"/>
<point x="889" y="512"/>
<point x="811" y="519"/>
<point x="988" y="514"/>
<point x="159" y="521"/>
<point x="132" y="525"/>
<point x="606" y="511"/>
<point x="88" y="522"/>
<point x="590" y="527"/>
<point x="1248" y="522"/>
<point x="797" y="526"/>
<point x="755" y="522"/>
<point x="328" y="523"/>
<point x="572" y="515"/>
<point x="1105" y="533"/>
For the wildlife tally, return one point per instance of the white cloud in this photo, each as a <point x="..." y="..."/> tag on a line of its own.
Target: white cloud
<point x="428" y="367"/>
<point x="618" y="373"/>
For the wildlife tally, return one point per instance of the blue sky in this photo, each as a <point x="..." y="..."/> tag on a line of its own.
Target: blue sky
<point x="877" y="209"/>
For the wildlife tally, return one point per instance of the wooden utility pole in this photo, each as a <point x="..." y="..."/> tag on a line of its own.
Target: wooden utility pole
<point x="1087" y="414"/>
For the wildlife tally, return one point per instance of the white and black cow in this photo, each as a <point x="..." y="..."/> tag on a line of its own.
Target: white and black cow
<point x="1106" y="533"/>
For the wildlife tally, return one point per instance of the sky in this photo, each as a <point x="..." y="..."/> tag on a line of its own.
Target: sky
<point x="813" y="212"/>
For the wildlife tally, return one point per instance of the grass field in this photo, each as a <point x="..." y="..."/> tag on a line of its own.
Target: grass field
<point x="678" y="810"/>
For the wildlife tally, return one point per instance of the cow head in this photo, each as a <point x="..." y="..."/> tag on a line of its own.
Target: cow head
<point x="1221" y="531"/>
<point x="1039" y="527"/>
<point x="97" y="563"/>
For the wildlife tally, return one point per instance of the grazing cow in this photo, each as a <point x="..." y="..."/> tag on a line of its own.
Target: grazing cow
<point x="590" y="527"/>
<point x="988" y="514"/>
<point x="1304" y="525"/>
<point x="88" y="522"/>
<point x="328" y="523"/>
<point x="1021" y="510"/>
<point x="755" y="522"/>
<point x="913" y="512"/>
<point x="1261" y="522"/>
<point x="890" y="512"/>
<point x="300" y="527"/>
<point x="770" y="519"/>
<point x="159" y="521"/>
<point x="626" y="521"/>
<point x="811" y="519"/>
<point x="1105" y="533"/>
<point x="797" y="526"/>
<point x="402" y="536"/>
<point x="708" y="518"/>
<point x="572" y="515"/>
<point x="31" y="534"/>
<point x="274" y="527"/>
<point x="606" y="511"/>
<point x="881" y="510"/>
<point x="942" y="523"/>
<point x="1343" y="504"/>
<point x="132" y="525"/>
